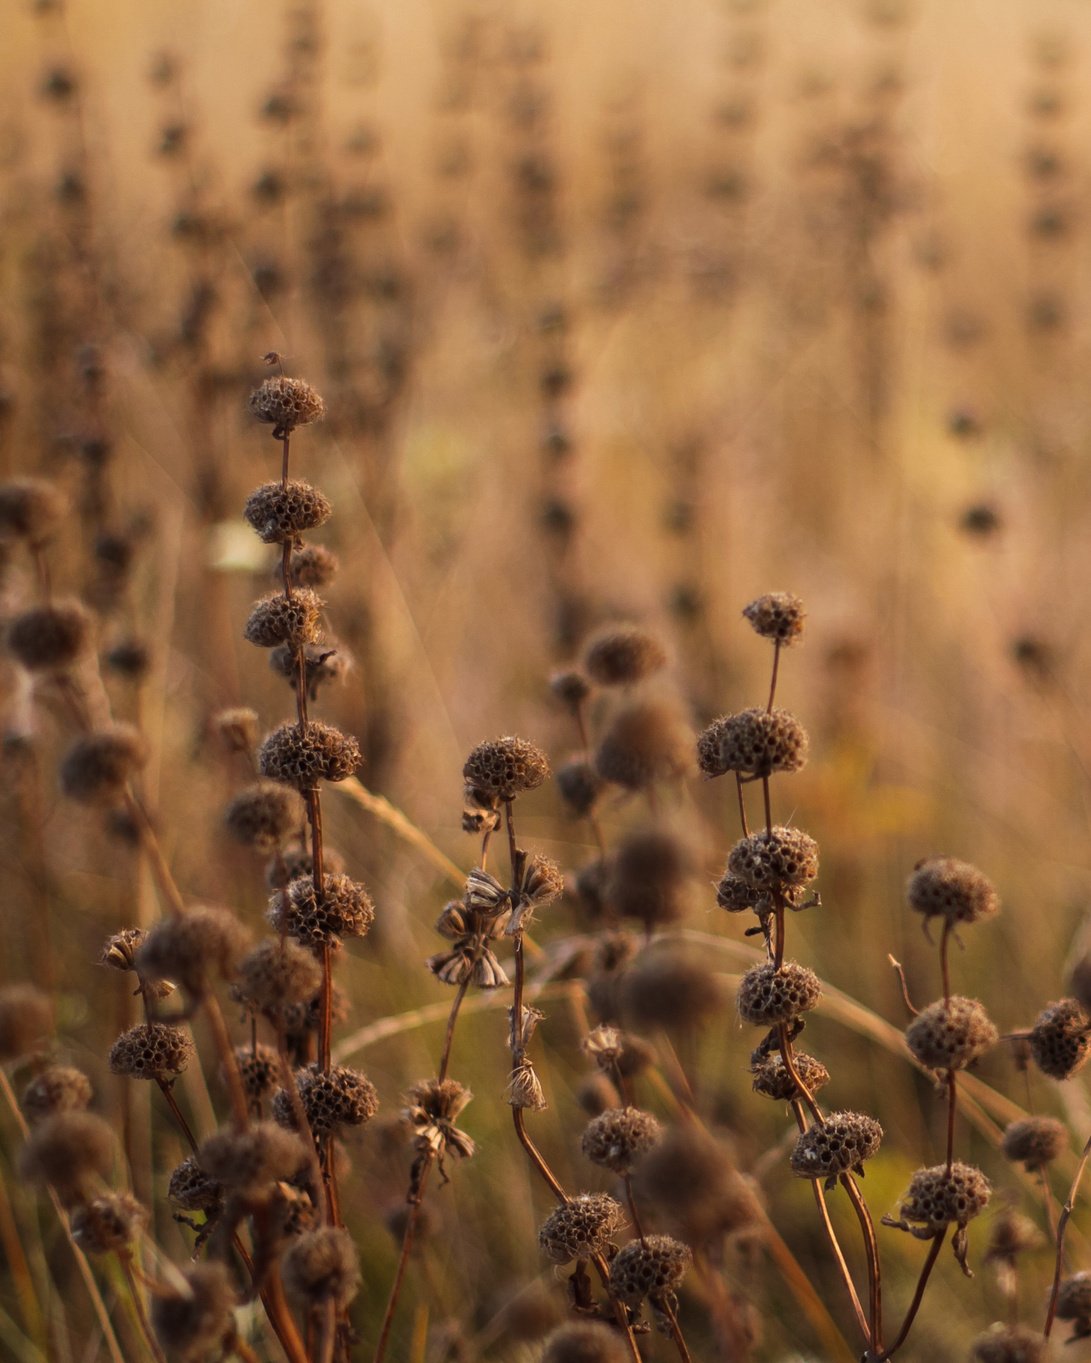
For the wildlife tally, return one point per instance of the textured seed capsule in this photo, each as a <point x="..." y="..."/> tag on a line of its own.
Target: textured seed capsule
<point x="768" y="996"/>
<point x="286" y="403"/>
<point x="652" y="1267"/>
<point x="280" y="619"/>
<point x="781" y="859"/>
<point x="151" y="1050"/>
<point x="1060" y="1041"/>
<point x="343" y="909"/>
<point x="776" y="615"/>
<point x="322" y="1266"/>
<point x="839" y="1144"/>
<point x="278" y="513"/>
<point x="338" y="1098"/>
<point x="753" y="743"/>
<point x="192" y="1189"/>
<point x="302" y="758"/>
<point x="622" y="655"/>
<point x="941" y="1197"/>
<point x="944" y="887"/>
<point x="618" y="1138"/>
<point x="773" y="1079"/>
<point x="1034" y="1141"/>
<point x="581" y="1227"/>
<point x="506" y="767"/>
<point x="951" y="1034"/>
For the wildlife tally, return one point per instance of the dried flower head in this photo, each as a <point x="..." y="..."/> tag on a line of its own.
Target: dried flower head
<point x="58" y="1088"/>
<point x="50" y="638"/>
<point x="263" y="815"/>
<point x="277" y="974"/>
<point x="1034" y="1141"/>
<point x="1074" y="1304"/>
<point x="193" y="948"/>
<point x="30" y="509"/>
<point x="108" y="1224"/>
<point x="955" y="891"/>
<point x="835" y="1146"/>
<point x="302" y="758"/>
<point x="778" y="616"/>
<point x="779" y="860"/>
<point x="652" y="1267"/>
<point x="280" y="619"/>
<point x="584" y="1342"/>
<point x="431" y="1110"/>
<point x="524" y="1088"/>
<point x="618" y="1138"/>
<point x="769" y="995"/>
<point x="285" y="404"/>
<point x="736" y="895"/>
<point x="119" y="950"/>
<point x="581" y="1227"/>
<point x="506" y="767"/>
<point x="236" y="728"/>
<point x="645" y="742"/>
<point x="469" y="960"/>
<point x="1060" y="1040"/>
<point x="648" y="877"/>
<point x="322" y="1266"/>
<point x="246" y="1162"/>
<point x="1009" y="1344"/>
<point x="195" y="1322"/>
<point x="331" y="1099"/>
<point x="343" y="909"/>
<point x="579" y="786"/>
<point x="688" y="1177"/>
<point x="259" y="1070"/>
<point x="26" y="1019"/>
<point x="951" y="1034"/>
<point x="70" y="1151"/>
<point x="97" y="767"/>
<point x="621" y="655"/>
<point x="321" y="664"/>
<point x="571" y="687"/>
<point x="192" y="1189"/>
<point x="312" y="565"/>
<point x="668" y="987"/>
<point x="151" y="1050"/>
<point x="939" y="1197"/>
<point x="279" y="512"/>
<point x="773" y="1079"/>
<point x="753" y="743"/>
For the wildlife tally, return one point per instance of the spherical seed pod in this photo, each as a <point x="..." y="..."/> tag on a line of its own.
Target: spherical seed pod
<point x="322" y="1266"/>
<point x="781" y="859"/>
<point x="941" y="1197"/>
<point x="778" y="616"/>
<point x="735" y="895"/>
<point x="1074" y="1303"/>
<point x="338" y="1098"/>
<point x="343" y="909"/>
<point x="622" y="655"/>
<point x="236" y="728"/>
<point x="259" y="1070"/>
<point x="668" y="988"/>
<point x="768" y="995"/>
<point x="506" y="767"/>
<point x="1011" y="1235"/>
<point x="246" y="1162"/>
<point x="278" y="513"/>
<point x="571" y="688"/>
<point x="26" y="1019"/>
<point x="280" y="619"/>
<point x="581" y="1227"/>
<point x="753" y="743"/>
<point x="276" y="974"/>
<point x="312" y="565"/>
<point x="263" y="815"/>
<point x="70" y="1151"/>
<point x="286" y="403"/>
<point x="129" y="658"/>
<point x="649" y="876"/>
<point x="296" y="859"/>
<point x="579" y="786"/>
<point x="1060" y="1041"/>
<point x="953" y="890"/>
<point x="30" y="509"/>
<point x="951" y="1034"/>
<point x="619" y="1138"/>
<point x="773" y="1079"/>
<point x="151" y="1050"/>
<point x="196" y="1322"/>
<point x="193" y="948"/>
<point x="596" y="1095"/>
<point x="652" y="1267"/>
<point x="839" y="1144"/>
<point x="322" y="663"/>
<point x="303" y="758"/>
<point x="97" y="768"/>
<point x="1034" y="1141"/>
<point x="585" y="1342"/>
<point x="191" y="1188"/>
<point x="301" y="1020"/>
<point x="50" y="638"/>
<point x="690" y="1181"/>
<point x="58" y="1088"/>
<point x="108" y="1224"/>
<point x="645" y="742"/>
<point x="1009" y="1344"/>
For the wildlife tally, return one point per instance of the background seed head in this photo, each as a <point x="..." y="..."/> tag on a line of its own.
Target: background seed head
<point x="951" y="1034"/>
<point x="263" y="815"/>
<point x="108" y="1224"/>
<point x="645" y="742"/>
<point x="30" y="509"/>
<point x="1060" y="1041"/>
<point x="276" y="974"/>
<point x="773" y="1079"/>
<point x="97" y="767"/>
<point x="1009" y="1344"/>
<point x="585" y="1342"/>
<point x="192" y="1189"/>
<point x="619" y="1138"/>
<point x="622" y="655"/>
<point x="1034" y="1141"/>
<point x="26" y="1019"/>
<point x="312" y="565"/>
<point x="246" y="1162"/>
<point x="778" y="616"/>
<point x="649" y="876"/>
<point x="196" y="1322"/>
<point x="322" y="1266"/>
<point x="58" y="1088"/>
<point x="579" y="786"/>
<point x="50" y="638"/>
<point x="70" y="1151"/>
<point x="944" y="887"/>
<point x="193" y="948"/>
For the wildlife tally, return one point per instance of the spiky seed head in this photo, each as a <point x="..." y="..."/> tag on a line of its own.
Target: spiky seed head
<point x="312" y="565"/>
<point x="773" y="1079"/>
<point x="581" y="1227"/>
<point x="302" y="758"/>
<point x="646" y="741"/>
<point x="649" y="875"/>
<point x="1074" y="1302"/>
<point x="278" y="513"/>
<point x="941" y="1197"/>
<point x="279" y="619"/>
<point x="285" y="403"/>
<point x="322" y="1266"/>
<point x="1009" y="1344"/>
<point x="837" y="1145"/>
<point x="1034" y="1141"/>
<point x="769" y="995"/>
<point x="276" y="974"/>
<point x="778" y="616"/>
<point x="50" y="638"/>
<point x="1010" y="1235"/>
<point x="621" y="655"/>
<point x="259" y="1070"/>
<point x="30" y="509"/>
<point x="97" y="767"/>
<point x="195" y="1321"/>
<point x="571" y="688"/>
<point x="70" y="1151"/>
<point x="263" y="815"/>
<point x="109" y="1224"/>
<point x="579" y="786"/>
<point x="322" y="663"/>
<point x="652" y="1267"/>
<point x="26" y="1019"/>
<point x="1060" y="1040"/>
<point x="943" y="887"/>
<point x="333" y="1099"/>
<point x="58" y="1088"/>
<point x="192" y="1189"/>
<point x="951" y="1034"/>
<point x="506" y="767"/>
<point x="119" y="950"/>
<point x="343" y="909"/>
<point x="246" y="1162"/>
<point x="584" y="1342"/>
<point x="151" y="1050"/>
<point x="193" y="948"/>
<point x="753" y="743"/>
<point x="618" y="1138"/>
<point x="778" y="859"/>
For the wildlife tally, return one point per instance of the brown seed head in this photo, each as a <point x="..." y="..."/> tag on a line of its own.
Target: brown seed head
<point x="841" y="1143"/>
<point x="736" y="895"/>
<point x="572" y="688"/>
<point x="196" y="1322"/>
<point x="768" y="995"/>
<point x="1060" y="1041"/>
<point x="119" y="951"/>
<point x="30" y="509"/>
<point x="772" y="1078"/>
<point x="191" y="1188"/>
<point x="193" y="948"/>
<point x="653" y="1267"/>
<point x="753" y="743"/>
<point x="58" y="1088"/>
<point x="50" y="638"/>
<point x="236" y="728"/>
<point x="280" y="619"/>
<point x="941" y="1197"/>
<point x="246" y="1162"/>
<point x="97" y="768"/>
<point x="338" y="1098"/>
<point x="277" y="974"/>
<point x="312" y="565"/>
<point x="71" y="1151"/>
<point x="646" y="741"/>
<point x="689" y="1179"/>
<point x="278" y="513"/>
<point x="620" y="1137"/>
<point x="506" y="767"/>
<point x="781" y="859"/>
<point x="302" y="759"/>
<point x="1009" y="1344"/>
<point x="581" y="1227"/>
<point x="1074" y="1303"/>
<point x="259" y="1070"/>
<point x="669" y="988"/>
<point x="1034" y="1141"/>
<point x="943" y="887"/>
<point x="623" y="654"/>
<point x="343" y="909"/>
<point x="585" y="1342"/>
<point x="951" y="1034"/>
<point x="263" y="815"/>
<point x="26" y="1019"/>
<point x="151" y="1050"/>
<point x="648" y="877"/>
<point x="579" y="786"/>
<point x="778" y="616"/>
<point x="108" y="1224"/>
<point x="322" y="1266"/>
<point x="286" y="403"/>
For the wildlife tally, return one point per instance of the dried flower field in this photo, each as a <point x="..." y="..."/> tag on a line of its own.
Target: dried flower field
<point x="543" y="560"/>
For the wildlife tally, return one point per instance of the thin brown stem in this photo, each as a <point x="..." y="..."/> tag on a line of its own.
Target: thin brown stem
<point x="631" y="1202"/>
<point x="675" y="1329"/>
<point x="952" y="1107"/>
<point x="125" y="1260"/>
<point x="776" y="669"/>
<point x="915" y="1304"/>
<point x="449" y="1034"/>
<point x="742" y="806"/>
<point x="944" y="964"/>
<point x="871" y="1249"/>
<point x="1062" y="1225"/>
<point x="768" y="806"/>
<point x="421" y="1180"/>
<point x="166" y="1090"/>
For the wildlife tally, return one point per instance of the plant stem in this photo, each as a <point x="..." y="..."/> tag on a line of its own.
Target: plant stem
<point x="915" y="1304"/>
<point x="1062" y="1224"/>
